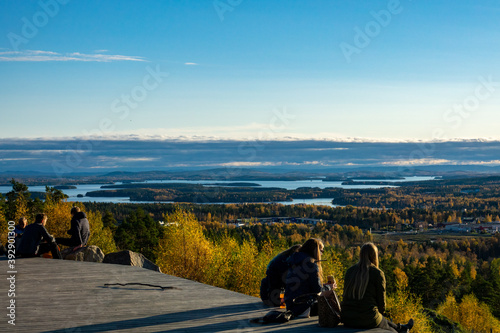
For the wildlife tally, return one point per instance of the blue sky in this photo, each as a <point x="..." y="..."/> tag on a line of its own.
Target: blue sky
<point x="250" y="69"/>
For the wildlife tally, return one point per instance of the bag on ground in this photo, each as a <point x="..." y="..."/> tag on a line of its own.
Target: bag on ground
<point x="275" y="316"/>
<point x="328" y="309"/>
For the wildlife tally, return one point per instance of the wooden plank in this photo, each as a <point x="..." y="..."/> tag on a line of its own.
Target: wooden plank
<point x="67" y="296"/>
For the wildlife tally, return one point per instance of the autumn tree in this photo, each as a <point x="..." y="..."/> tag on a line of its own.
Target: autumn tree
<point x="3" y="222"/>
<point x="470" y="313"/>
<point x="100" y="235"/>
<point x="183" y="250"/>
<point x="18" y="201"/>
<point x="402" y="305"/>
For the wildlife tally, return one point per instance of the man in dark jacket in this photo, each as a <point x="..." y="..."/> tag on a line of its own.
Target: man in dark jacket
<point x="80" y="229"/>
<point x="31" y="243"/>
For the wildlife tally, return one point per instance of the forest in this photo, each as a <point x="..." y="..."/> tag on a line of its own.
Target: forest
<point x="445" y="284"/>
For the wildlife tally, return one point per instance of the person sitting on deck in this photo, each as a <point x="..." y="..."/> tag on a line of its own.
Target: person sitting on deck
<point x="19" y="230"/>
<point x="304" y="277"/>
<point x="80" y="230"/>
<point x="277" y="269"/>
<point x="363" y="305"/>
<point x="31" y="243"/>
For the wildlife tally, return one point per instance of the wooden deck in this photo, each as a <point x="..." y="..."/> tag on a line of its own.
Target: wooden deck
<point x="67" y="296"/>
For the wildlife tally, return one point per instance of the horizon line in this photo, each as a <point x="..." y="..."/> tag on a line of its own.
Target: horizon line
<point x="201" y="139"/>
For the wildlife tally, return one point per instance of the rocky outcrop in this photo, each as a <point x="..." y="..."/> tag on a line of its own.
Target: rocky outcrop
<point x="90" y="253"/>
<point x="131" y="259"/>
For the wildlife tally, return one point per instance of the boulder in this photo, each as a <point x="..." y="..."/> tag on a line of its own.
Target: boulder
<point x="90" y="253"/>
<point x="131" y="259"/>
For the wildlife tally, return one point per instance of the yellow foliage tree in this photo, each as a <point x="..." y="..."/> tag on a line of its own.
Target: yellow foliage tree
<point x="449" y="308"/>
<point x="402" y="305"/>
<point x="332" y="265"/>
<point x="240" y="266"/>
<point x="220" y="267"/>
<point x="3" y="227"/>
<point x="470" y="313"/>
<point x="454" y="270"/>
<point x="244" y="274"/>
<point x="21" y="209"/>
<point x="99" y="235"/>
<point x="184" y="251"/>
<point x="58" y="218"/>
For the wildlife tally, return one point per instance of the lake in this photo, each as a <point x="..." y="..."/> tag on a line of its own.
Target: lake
<point x="288" y="185"/>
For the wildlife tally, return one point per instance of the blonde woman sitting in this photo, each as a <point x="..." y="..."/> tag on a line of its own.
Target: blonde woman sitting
<point x="363" y="305"/>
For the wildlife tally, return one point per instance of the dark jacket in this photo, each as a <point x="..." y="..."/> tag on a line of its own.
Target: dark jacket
<point x="271" y="285"/>
<point x="19" y="233"/>
<point x="302" y="278"/>
<point x="368" y="311"/>
<point x="32" y="237"/>
<point x="80" y="229"/>
<point x="277" y="270"/>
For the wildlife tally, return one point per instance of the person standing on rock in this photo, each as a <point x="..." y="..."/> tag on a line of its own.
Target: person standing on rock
<point x="31" y="244"/>
<point x="80" y="230"/>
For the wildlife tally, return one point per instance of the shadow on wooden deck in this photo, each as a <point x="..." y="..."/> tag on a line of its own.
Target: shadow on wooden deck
<point x="67" y="296"/>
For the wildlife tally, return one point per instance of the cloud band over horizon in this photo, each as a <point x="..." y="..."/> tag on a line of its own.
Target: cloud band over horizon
<point x="64" y="157"/>
<point x="40" y="56"/>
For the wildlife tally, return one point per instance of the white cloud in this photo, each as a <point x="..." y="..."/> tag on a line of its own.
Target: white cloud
<point x="326" y="149"/>
<point x="418" y="161"/>
<point x="248" y="164"/>
<point x="104" y="166"/>
<point x="249" y="132"/>
<point x="246" y="132"/>
<point x="492" y="162"/>
<point x="17" y="159"/>
<point x="40" y="56"/>
<point x="190" y="64"/>
<point x="37" y="151"/>
<point x="128" y="159"/>
<point x="264" y="163"/>
<point x="436" y="161"/>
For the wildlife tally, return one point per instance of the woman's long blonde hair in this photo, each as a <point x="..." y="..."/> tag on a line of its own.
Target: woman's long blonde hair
<point x="313" y="247"/>
<point x="368" y="256"/>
